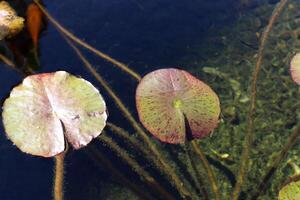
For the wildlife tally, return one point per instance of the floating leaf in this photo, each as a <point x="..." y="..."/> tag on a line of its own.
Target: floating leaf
<point x="10" y="23"/>
<point x="47" y="108"/>
<point x="175" y="106"/>
<point x="291" y="190"/>
<point x="295" y="68"/>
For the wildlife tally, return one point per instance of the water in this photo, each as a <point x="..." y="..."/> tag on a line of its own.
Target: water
<point x="158" y="34"/>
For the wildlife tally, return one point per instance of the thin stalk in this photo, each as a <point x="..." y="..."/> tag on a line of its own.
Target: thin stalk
<point x="10" y="63"/>
<point x="271" y="171"/>
<point x="101" y="160"/>
<point x="211" y="175"/>
<point x="166" y="168"/>
<point x="136" y="167"/>
<point x="198" y="178"/>
<point x="77" y="40"/>
<point x="131" y="140"/>
<point x="58" y="192"/>
<point x="134" y="142"/>
<point x="250" y="124"/>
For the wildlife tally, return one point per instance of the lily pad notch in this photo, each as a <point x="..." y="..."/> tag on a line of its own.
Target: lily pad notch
<point x="48" y="109"/>
<point x="175" y="106"/>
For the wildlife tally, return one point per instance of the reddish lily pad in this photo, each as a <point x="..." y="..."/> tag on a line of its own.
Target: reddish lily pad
<point x="48" y="108"/>
<point x="295" y="68"/>
<point x="175" y="106"/>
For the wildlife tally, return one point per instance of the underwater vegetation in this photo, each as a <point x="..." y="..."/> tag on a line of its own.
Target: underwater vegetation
<point x="176" y="107"/>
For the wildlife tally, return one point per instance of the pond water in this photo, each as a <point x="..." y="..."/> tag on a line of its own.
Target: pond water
<point x="145" y="35"/>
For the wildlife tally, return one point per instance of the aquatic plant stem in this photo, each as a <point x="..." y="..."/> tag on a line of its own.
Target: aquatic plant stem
<point x="199" y="179"/>
<point x="8" y="62"/>
<point x="136" y="167"/>
<point x="58" y="192"/>
<point x="139" y="147"/>
<point x="166" y="168"/>
<point x="101" y="160"/>
<point x="250" y="124"/>
<point x="272" y="169"/>
<point x="71" y="36"/>
<point x="132" y="140"/>
<point x="211" y="175"/>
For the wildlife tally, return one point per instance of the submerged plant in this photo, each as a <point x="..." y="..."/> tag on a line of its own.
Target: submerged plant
<point x="175" y="107"/>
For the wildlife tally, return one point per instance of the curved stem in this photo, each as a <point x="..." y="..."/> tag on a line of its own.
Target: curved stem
<point x="132" y="141"/>
<point x="58" y="192"/>
<point x="249" y="134"/>
<point x="137" y="168"/>
<point x="211" y="175"/>
<point x="271" y="171"/>
<point x="164" y="166"/>
<point x="101" y="160"/>
<point x="86" y="45"/>
<point x="197" y="175"/>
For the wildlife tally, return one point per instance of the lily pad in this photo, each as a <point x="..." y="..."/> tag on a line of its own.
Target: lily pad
<point x="48" y="108"/>
<point x="291" y="190"/>
<point x="295" y="68"/>
<point x="175" y="106"/>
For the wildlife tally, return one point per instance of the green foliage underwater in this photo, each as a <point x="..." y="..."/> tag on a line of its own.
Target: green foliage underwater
<point x="254" y="151"/>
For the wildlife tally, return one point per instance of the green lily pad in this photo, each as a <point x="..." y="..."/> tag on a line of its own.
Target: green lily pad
<point x="291" y="190"/>
<point x="48" y="108"/>
<point x="175" y="106"/>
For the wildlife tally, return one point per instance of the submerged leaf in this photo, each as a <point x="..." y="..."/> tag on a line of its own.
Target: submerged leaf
<point x="47" y="108"/>
<point x="175" y="106"/>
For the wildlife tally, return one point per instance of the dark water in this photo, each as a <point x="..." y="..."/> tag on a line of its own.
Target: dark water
<point x="146" y="35"/>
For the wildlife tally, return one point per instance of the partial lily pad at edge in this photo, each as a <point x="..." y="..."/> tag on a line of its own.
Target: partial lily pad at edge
<point x="290" y="190"/>
<point x="48" y="108"/>
<point x="295" y="68"/>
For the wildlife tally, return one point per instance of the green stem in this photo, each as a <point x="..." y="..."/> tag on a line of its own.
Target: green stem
<point x="139" y="147"/>
<point x="101" y="160"/>
<point x="71" y="36"/>
<point x="197" y="175"/>
<point x="136" y="167"/>
<point x="211" y="175"/>
<point x="163" y="165"/>
<point x="250" y="124"/>
<point x="271" y="171"/>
